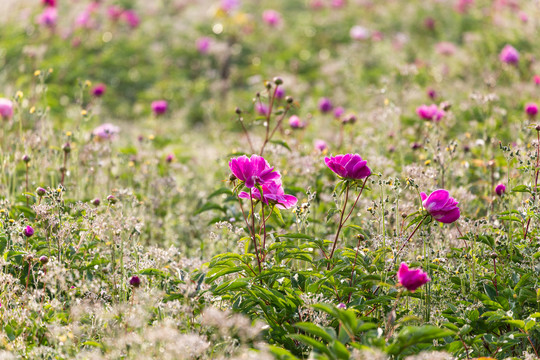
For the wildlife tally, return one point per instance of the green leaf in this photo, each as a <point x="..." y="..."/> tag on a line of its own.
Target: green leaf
<point x="92" y="343"/>
<point x="412" y="335"/>
<point x="281" y="354"/>
<point x="154" y="272"/>
<point x="210" y="206"/>
<point x="281" y="143"/>
<point x="220" y="191"/>
<point x="314" y="330"/>
<point x="313" y="343"/>
<point x="520" y="324"/>
<point x="521" y="188"/>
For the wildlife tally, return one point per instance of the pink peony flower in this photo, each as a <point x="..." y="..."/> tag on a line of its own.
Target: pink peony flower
<point x="441" y="206"/>
<point x="254" y="170"/>
<point x="272" y="18"/>
<point x="106" y="131"/>
<point x="203" y="44"/>
<point x="114" y="12"/>
<point x="296" y="123"/>
<point x="359" y="33"/>
<point x="159" y="107"/>
<point x="131" y="18"/>
<point x="509" y="55"/>
<point x="48" y="17"/>
<point x="411" y="279"/>
<point x="430" y="113"/>
<point x="273" y="194"/>
<point x="6" y="109"/>
<point x="349" y="166"/>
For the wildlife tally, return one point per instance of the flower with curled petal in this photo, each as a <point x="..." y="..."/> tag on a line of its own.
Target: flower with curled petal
<point x="411" y="279"/>
<point x="441" y="206"/>
<point x="273" y="194"/>
<point x="254" y="170"/>
<point x="349" y="166"/>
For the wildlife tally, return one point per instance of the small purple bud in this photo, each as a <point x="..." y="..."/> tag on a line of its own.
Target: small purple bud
<point x="99" y="90"/>
<point x="500" y="189"/>
<point x="341" y="306"/>
<point x="325" y="105"/>
<point x="159" y="107"/>
<point x="96" y="202"/>
<point x="26" y="159"/>
<point x="28" y="231"/>
<point x="169" y="158"/>
<point x="41" y="191"/>
<point x="44" y="260"/>
<point x="531" y="109"/>
<point x="135" y="281"/>
<point x="111" y="199"/>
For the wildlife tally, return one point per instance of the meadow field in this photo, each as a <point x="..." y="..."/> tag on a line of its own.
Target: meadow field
<point x="257" y="179"/>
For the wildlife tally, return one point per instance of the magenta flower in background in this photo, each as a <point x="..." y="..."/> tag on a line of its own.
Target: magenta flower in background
<point x="325" y="105"/>
<point x="349" y="166"/>
<point x="411" y="279"/>
<point x="50" y="3"/>
<point x="321" y="145"/>
<point x="432" y="94"/>
<point x="359" y="33"/>
<point x="262" y="109"/>
<point x="536" y="79"/>
<point x="336" y="4"/>
<point x="500" y="189"/>
<point x="338" y="112"/>
<point x="296" y="123"/>
<point x="254" y="170"/>
<point x="106" y="131"/>
<point x="203" y="44"/>
<point x="273" y="194"/>
<point x="131" y="18"/>
<point x="48" y="17"/>
<point x="272" y="18"/>
<point x="135" y="281"/>
<point x="446" y="48"/>
<point x="229" y="5"/>
<point x="114" y="12"/>
<point x="531" y="109"/>
<point x="28" y="231"/>
<point x="84" y="20"/>
<point x="159" y="107"/>
<point x="6" y="108"/>
<point x="169" y="158"/>
<point x="99" y="90"/>
<point x="280" y="92"/>
<point x="429" y="23"/>
<point x="509" y="55"/>
<point x="430" y="112"/>
<point x="441" y="206"/>
<point x="463" y="6"/>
